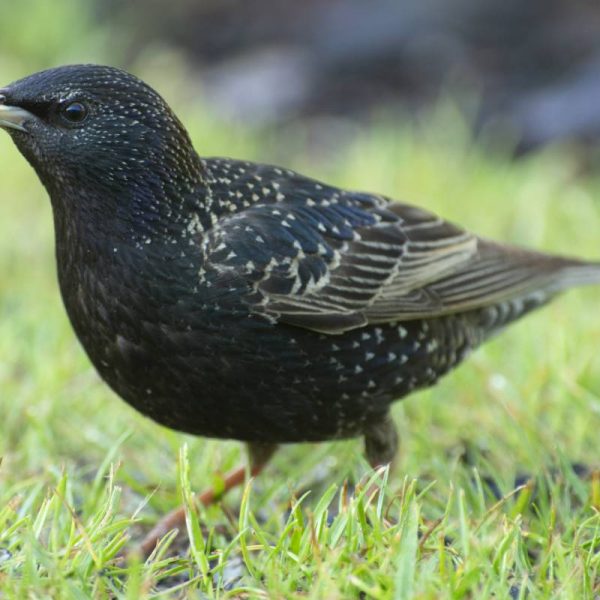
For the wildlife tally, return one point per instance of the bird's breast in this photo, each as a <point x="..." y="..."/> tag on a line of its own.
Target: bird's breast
<point x="193" y="358"/>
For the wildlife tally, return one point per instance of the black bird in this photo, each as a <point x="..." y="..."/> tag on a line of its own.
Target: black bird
<point x="237" y="300"/>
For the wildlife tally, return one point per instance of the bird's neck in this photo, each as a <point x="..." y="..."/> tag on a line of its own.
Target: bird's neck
<point x="149" y="204"/>
<point x="140" y="239"/>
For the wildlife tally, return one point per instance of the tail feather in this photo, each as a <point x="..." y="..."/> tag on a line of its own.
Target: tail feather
<point x="495" y="274"/>
<point x="500" y="273"/>
<point x="579" y="274"/>
<point x="559" y="275"/>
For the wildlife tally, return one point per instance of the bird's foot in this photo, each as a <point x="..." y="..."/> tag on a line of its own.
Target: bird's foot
<point x="176" y="518"/>
<point x="259" y="455"/>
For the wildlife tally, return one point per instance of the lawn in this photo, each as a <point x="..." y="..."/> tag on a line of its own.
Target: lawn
<point x="494" y="493"/>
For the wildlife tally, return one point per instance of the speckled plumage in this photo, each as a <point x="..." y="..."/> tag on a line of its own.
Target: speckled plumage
<point x="237" y="300"/>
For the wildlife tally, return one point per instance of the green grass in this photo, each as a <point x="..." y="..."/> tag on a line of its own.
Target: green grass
<point x="82" y="475"/>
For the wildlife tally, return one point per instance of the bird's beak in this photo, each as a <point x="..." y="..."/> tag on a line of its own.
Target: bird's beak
<point x="13" y="117"/>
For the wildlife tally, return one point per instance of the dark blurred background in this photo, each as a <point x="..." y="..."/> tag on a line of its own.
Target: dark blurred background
<point x="524" y="73"/>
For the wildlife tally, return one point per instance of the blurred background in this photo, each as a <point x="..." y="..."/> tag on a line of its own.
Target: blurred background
<point x="523" y="74"/>
<point x="486" y="111"/>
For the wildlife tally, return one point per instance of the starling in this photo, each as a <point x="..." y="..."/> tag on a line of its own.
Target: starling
<point x="237" y="300"/>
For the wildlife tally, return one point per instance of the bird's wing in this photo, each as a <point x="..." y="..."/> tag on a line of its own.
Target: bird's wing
<point x="338" y="264"/>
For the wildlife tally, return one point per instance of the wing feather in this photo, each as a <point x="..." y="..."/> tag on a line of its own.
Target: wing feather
<point x="345" y="259"/>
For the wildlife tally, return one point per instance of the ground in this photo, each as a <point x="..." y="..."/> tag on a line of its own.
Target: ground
<point x="494" y="494"/>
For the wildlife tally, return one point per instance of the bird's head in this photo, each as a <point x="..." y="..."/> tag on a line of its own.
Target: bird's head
<point x="88" y="127"/>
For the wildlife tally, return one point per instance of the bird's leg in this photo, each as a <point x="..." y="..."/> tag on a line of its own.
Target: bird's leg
<point x="381" y="445"/>
<point x="381" y="442"/>
<point x="259" y="455"/>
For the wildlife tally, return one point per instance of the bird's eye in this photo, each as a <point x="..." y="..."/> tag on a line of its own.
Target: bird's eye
<point x="74" y="112"/>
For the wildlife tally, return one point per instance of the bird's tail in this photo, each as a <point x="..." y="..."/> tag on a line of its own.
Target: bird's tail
<point x="554" y="274"/>
<point x="578" y="273"/>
